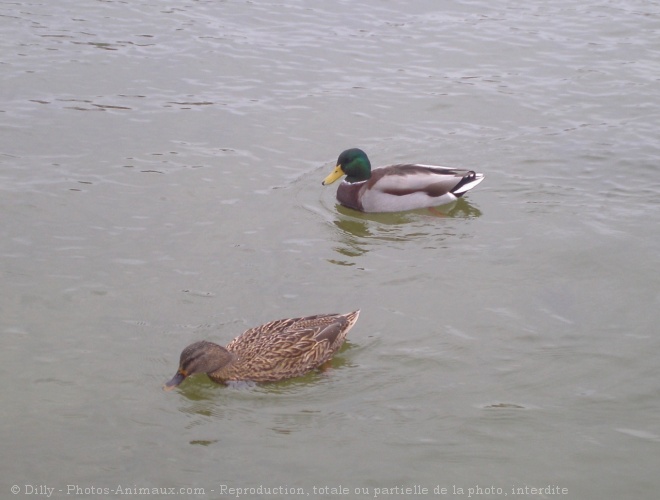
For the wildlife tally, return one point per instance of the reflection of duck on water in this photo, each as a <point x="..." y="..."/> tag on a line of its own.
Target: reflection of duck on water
<point x="397" y="188"/>
<point x="358" y="233"/>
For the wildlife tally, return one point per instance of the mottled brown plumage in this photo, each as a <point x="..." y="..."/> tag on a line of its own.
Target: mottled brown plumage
<point x="277" y="350"/>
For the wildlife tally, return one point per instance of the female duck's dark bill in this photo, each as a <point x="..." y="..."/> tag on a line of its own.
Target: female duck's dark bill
<point x="174" y="382"/>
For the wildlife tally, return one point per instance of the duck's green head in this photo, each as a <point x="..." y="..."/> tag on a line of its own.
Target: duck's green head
<point x="354" y="164"/>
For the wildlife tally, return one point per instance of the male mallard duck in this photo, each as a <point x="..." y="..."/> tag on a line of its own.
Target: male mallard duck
<point x="397" y="187"/>
<point x="278" y="350"/>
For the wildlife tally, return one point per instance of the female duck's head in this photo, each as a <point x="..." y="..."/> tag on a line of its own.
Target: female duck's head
<point x="200" y="357"/>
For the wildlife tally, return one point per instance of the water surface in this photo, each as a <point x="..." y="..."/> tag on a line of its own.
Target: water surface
<point x="161" y="167"/>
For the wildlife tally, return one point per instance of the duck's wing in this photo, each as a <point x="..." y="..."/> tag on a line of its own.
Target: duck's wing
<point x="292" y="326"/>
<point x="432" y="180"/>
<point x="290" y="347"/>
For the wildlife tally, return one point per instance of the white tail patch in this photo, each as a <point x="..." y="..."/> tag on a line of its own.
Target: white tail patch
<point x="469" y="185"/>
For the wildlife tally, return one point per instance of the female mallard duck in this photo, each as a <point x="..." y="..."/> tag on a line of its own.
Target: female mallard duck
<point x="278" y="350"/>
<point x="398" y="187"/>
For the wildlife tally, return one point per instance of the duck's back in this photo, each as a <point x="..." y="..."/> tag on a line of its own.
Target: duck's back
<point x="287" y="348"/>
<point x="406" y="187"/>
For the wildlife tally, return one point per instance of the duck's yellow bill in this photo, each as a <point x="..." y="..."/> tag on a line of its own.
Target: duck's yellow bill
<point x="336" y="174"/>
